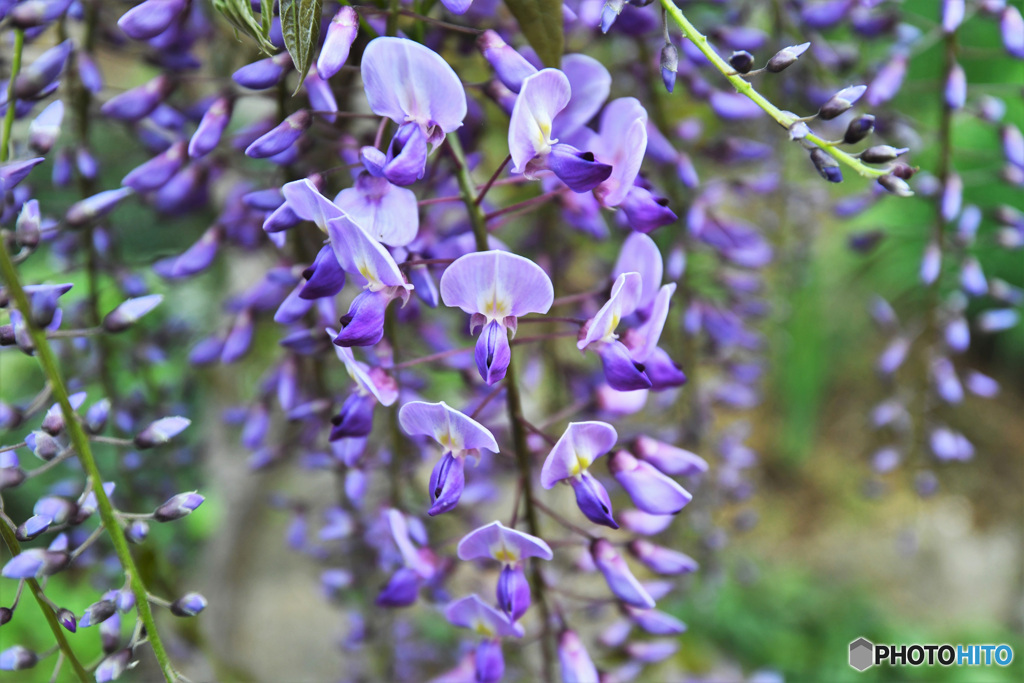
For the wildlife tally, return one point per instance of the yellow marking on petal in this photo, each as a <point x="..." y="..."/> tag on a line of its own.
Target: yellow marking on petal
<point x="483" y="628"/>
<point x="581" y="464"/>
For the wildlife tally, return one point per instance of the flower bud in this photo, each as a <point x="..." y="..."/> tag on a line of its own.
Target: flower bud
<point x="669" y="65"/>
<point x="579" y="170"/>
<point x="880" y="154"/>
<point x="33" y="13"/>
<point x="178" y="506"/>
<point x="140" y="101"/>
<point x="27" y="227"/>
<point x="45" y="128"/>
<point x="618" y="576"/>
<point x="786" y="57"/>
<point x="859" y="128"/>
<point x="151" y="18"/>
<point x="5" y="615"/>
<point x="493" y="352"/>
<point x="956" y="87"/>
<point x="97" y="613"/>
<point x="610" y="12"/>
<point x="662" y="560"/>
<point x="188" y="605"/>
<point x="513" y="592"/>
<point x="16" y="658"/>
<point x="742" y="61"/>
<point x="592" y="499"/>
<point x="263" y="74"/>
<point x="281" y="137"/>
<point x="92" y="208"/>
<point x="44" y="446"/>
<point x="1011" y="26"/>
<point x="341" y="33"/>
<point x="841" y="102"/>
<point x="577" y="667"/>
<point x="489" y="661"/>
<point x="161" y="431"/>
<point x="38" y="75"/>
<point x="828" y="167"/>
<point x="112" y="666"/>
<point x="897" y="186"/>
<point x="137" y="532"/>
<point x="447" y="481"/>
<point x="401" y="590"/>
<point x="509" y="66"/>
<point x="649" y="489"/>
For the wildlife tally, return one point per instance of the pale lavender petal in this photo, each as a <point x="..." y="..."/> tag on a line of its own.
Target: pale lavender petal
<point x="389" y="213"/>
<point x="501" y="543"/>
<point x="496" y="284"/>
<point x="618" y="576"/>
<point x="641" y="255"/>
<point x="542" y="97"/>
<point x="308" y="204"/>
<point x="576" y="450"/>
<point x="577" y="667"/>
<point x="360" y="372"/>
<point x="650" y="490"/>
<point x="473" y="613"/>
<point x="590" y="83"/>
<point x="360" y="254"/>
<point x="668" y="458"/>
<point x="649" y="333"/>
<point x="623" y="141"/>
<point x="625" y="296"/>
<point x="406" y="81"/>
<point x="454" y="430"/>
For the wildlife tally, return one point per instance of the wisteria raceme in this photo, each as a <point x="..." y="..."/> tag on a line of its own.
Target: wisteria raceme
<point x="597" y="174"/>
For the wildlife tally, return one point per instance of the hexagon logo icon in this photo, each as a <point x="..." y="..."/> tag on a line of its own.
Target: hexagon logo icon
<point x="862" y="654"/>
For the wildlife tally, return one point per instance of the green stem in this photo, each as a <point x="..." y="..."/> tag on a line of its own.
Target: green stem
<point x="51" y="618"/>
<point x="744" y="87"/>
<point x="467" y="191"/>
<point x="80" y="441"/>
<point x="19" y="44"/>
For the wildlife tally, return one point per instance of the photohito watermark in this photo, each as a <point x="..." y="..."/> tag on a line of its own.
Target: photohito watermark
<point x="864" y="654"/>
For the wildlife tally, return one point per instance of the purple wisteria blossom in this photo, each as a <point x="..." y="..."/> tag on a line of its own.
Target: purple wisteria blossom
<point x="495" y="288"/>
<point x="459" y="435"/>
<point x="569" y="460"/>
<point x="511" y="548"/>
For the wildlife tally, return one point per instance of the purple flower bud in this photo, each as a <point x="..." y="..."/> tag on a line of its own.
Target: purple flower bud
<point x="742" y="61"/>
<point x="952" y="15"/>
<point x="620" y="370"/>
<point x="998" y="319"/>
<point x="53" y="422"/>
<point x="509" y="66"/>
<point x="97" y="613"/>
<point x="618" y="576"/>
<point x="355" y="418"/>
<point x="577" y="666"/>
<point x="140" y="101"/>
<point x="38" y="75"/>
<point x="157" y="171"/>
<point x="841" y="102"/>
<point x="137" y="532"/>
<point x="96" y="416"/>
<point x="36" y="562"/>
<point x="610" y="12"/>
<point x="42" y="445"/>
<point x="956" y="87"/>
<point x="341" y="33"/>
<point x="1011" y="25"/>
<point x="178" y="506"/>
<point x="110" y="633"/>
<point x="947" y="384"/>
<point x="86" y="163"/>
<point x="650" y="490"/>
<point x="972" y="278"/>
<point x="669" y="459"/>
<point x="27" y="227"/>
<point x="88" y="72"/>
<point x="982" y="385"/>
<point x="1013" y="144"/>
<point x="211" y="128"/>
<point x="827" y="166"/>
<point x="16" y="658"/>
<point x="489" y="661"/>
<point x="161" y="431"/>
<point x="887" y="81"/>
<point x="896" y="185"/>
<point x="5" y="617"/>
<point x="669" y="66"/>
<point x="239" y="339"/>
<point x="32" y="527"/>
<point x="662" y="560"/>
<point x="112" y="666"/>
<point x="281" y="137"/>
<point x="447" y="481"/>
<point x="401" y="590"/>
<point x="188" y="605"/>
<point x="45" y="128"/>
<point x="652" y="651"/>
<point x="640" y="522"/>
<point x="13" y="172"/>
<point x="786" y="57"/>
<point x="656" y="622"/>
<point x="949" y="445"/>
<point x="92" y="208"/>
<point x="130" y="311"/>
<point x="151" y="18"/>
<point x="33" y="13"/>
<point x="263" y="74"/>
<point x="893" y="356"/>
<point x="364" y="322"/>
<point x="592" y="499"/>
<point x="859" y="128"/>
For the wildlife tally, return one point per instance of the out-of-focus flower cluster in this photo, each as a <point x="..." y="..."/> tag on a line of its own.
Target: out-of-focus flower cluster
<point x="424" y="293"/>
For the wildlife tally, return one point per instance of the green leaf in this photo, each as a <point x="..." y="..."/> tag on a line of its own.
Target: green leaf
<point x="300" y="25"/>
<point x="241" y="16"/>
<point x="541" y="23"/>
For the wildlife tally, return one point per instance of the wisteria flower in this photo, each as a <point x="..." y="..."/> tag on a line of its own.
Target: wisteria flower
<point x="569" y="460"/>
<point x="460" y="435"/>
<point x="495" y="288"/>
<point x="511" y="548"/>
